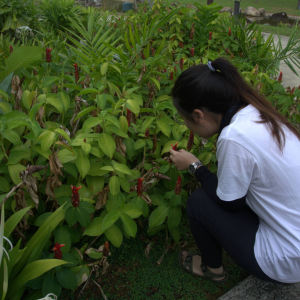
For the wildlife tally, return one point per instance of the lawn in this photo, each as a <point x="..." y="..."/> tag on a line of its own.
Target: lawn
<point x="288" y="6"/>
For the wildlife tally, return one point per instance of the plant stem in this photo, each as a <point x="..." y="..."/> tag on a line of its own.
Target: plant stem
<point x="2" y="146"/>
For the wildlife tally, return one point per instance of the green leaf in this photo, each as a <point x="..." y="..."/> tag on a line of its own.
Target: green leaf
<point x="83" y="164"/>
<point x="132" y="210"/>
<point x="87" y="206"/>
<point x="67" y="278"/>
<point x="101" y="101"/>
<point x="5" y="107"/>
<point x="104" y="68"/>
<point x="4" y="185"/>
<point x="147" y="123"/>
<point x="51" y="285"/>
<point x="114" y="235"/>
<point x="156" y="82"/>
<point x="110" y="219"/>
<point x="95" y="228"/>
<point x="107" y="144"/>
<point x="174" y="217"/>
<point x="12" y="136"/>
<point x="88" y="91"/>
<point x="129" y="225"/>
<point x="14" y="171"/>
<point x="71" y="215"/>
<point x="84" y="112"/>
<point x="82" y="273"/>
<point x="42" y="218"/>
<point x="163" y="98"/>
<point x="158" y="216"/>
<point x="123" y="169"/>
<point x="164" y="127"/>
<point x="155" y="230"/>
<point x="114" y="185"/>
<point x="124" y="184"/>
<point x="167" y="147"/>
<point x="133" y="106"/>
<point x="31" y="271"/>
<point x="84" y="217"/>
<point x="63" y="134"/>
<point x="62" y="236"/>
<point x="56" y="103"/>
<point x="175" y="232"/>
<point x="4" y="95"/>
<point x="175" y="200"/>
<point x="158" y="200"/>
<point x="21" y="57"/>
<point x="65" y="100"/>
<point x="48" y="81"/>
<point x="91" y="122"/>
<point x="139" y="144"/>
<point x="93" y="253"/>
<point x="47" y="140"/>
<point x="123" y="123"/>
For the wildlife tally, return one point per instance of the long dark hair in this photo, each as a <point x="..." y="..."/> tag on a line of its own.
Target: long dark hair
<point x="200" y="87"/>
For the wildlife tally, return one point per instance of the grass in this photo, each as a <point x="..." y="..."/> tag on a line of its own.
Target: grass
<point x="283" y="31"/>
<point x="133" y="276"/>
<point x="274" y="6"/>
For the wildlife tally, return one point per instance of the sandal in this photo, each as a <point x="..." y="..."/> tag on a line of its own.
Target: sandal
<point x="187" y="266"/>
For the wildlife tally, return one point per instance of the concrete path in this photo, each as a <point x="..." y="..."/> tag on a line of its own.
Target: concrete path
<point x="255" y="289"/>
<point x="289" y="78"/>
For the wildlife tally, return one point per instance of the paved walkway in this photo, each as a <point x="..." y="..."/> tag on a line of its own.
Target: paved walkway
<point x="289" y="77"/>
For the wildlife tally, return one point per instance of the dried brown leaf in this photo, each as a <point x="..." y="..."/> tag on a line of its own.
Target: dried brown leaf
<point x="147" y="250"/>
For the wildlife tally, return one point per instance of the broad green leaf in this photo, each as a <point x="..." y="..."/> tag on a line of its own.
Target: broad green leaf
<point x="101" y="101"/>
<point x="129" y="225"/>
<point x="63" y="134"/>
<point x="147" y="123"/>
<point x="14" y="171"/>
<point x="132" y="210"/>
<point x="95" y="228"/>
<point x="88" y="91"/>
<point x="155" y="230"/>
<point x="84" y="112"/>
<point x="84" y="217"/>
<point x="123" y="169"/>
<point x="104" y="68"/>
<point x="3" y="95"/>
<point x="175" y="232"/>
<point x="164" y="127"/>
<point x="125" y="185"/>
<point x="158" y="200"/>
<point x="47" y="140"/>
<point x="156" y="82"/>
<point x="123" y="123"/>
<point x="42" y="218"/>
<point x="62" y="236"/>
<point x="93" y="253"/>
<point x="51" y="285"/>
<point x="82" y="273"/>
<point x="133" y="106"/>
<point x="58" y="104"/>
<point x="48" y="81"/>
<point x="114" y="185"/>
<point x="31" y="271"/>
<point x="5" y="107"/>
<point x="175" y="200"/>
<point x="91" y="122"/>
<point x="21" y="57"/>
<point x="107" y="144"/>
<point x="14" y="220"/>
<point x="167" y="147"/>
<point x="67" y="279"/>
<point x="71" y="215"/>
<point x="4" y="185"/>
<point x="114" y="235"/>
<point x="65" y="100"/>
<point x="139" y="144"/>
<point x="163" y="98"/>
<point x="174" y="217"/>
<point x="110" y="219"/>
<point x="83" y="164"/>
<point x="12" y="136"/>
<point x="158" y="216"/>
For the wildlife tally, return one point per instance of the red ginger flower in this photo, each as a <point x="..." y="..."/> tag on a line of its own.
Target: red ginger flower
<point x="76" y="72"/>
<point x="75" y="196"/>
<point x="128" y="116"/>
<point x="181" y="44"/>
<point x="210" y="35"/>
<point x="192" y="52"/>
<point x="140" y="186"/>
<point x="57" y="252"/>
<point x="115" y="25"/>
<point x="147" y="134"/>
<point x="178" y="186"/>
<point x="190" y="141"/>
<point x="292" y="91"/>
<point x="227" y="50"/>
<point x="181" y="64"/>
<point x="48" y="55"/>
<point x="106" y="249"/>
<point x="153" y="51"/>
<point x="11" y="49"/>
<point x="280" y="77"/>
<point x="35" y="72"/>
<point x="172" y="75"/>
<point x="229" y="31"/>
<point x="174" y="147"/>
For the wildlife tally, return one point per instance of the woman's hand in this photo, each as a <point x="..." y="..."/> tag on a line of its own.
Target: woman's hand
<point x="182" y="159"/>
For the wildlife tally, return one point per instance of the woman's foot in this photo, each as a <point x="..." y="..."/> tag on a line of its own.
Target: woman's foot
<point x="196" y="260"/>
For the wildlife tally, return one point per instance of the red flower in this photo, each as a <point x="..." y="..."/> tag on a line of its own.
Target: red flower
<point x="57" y="252"/>
<point x="181" y="44"/>
<point x="35" y="72"/>
<point x="147" y="134"/>
<point x="178" y="186"/>
<point x="48" y="55"/>
<point x="190" y="141"/>
<point x="115" y="25"/>
<point x="11" y="49"/>
<point x="240" y="54"/>
<point x="181" y="64"/>
<point x="153" y="51"/>
<point x="229" y="31"/>
<point x="140" y="186"/>
<point x="175" y="69"/>
<point x="227" y="50"/>
<point x="75" y="196"/>
<point x="280" y="77"/>
<point x="231" y="56"/>
<point x="192" y="52"/>
<point x="172" y="75"/>
<point x="210" y="35"/>
<point x="106" y="249"/>
<point x="174" y="147"/>
<point x="128" y="116"/>
<point x="292" y="91"/>
<point x="76" y="72"/>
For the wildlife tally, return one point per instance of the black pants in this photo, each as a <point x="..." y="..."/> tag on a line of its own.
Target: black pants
<point x="214" y="228"/>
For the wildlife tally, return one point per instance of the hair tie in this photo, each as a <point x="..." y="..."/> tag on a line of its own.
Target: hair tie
<point x="211" y="67"/>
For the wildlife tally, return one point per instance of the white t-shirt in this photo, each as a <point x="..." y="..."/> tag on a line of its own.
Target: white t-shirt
<point x="251" y="164"/>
